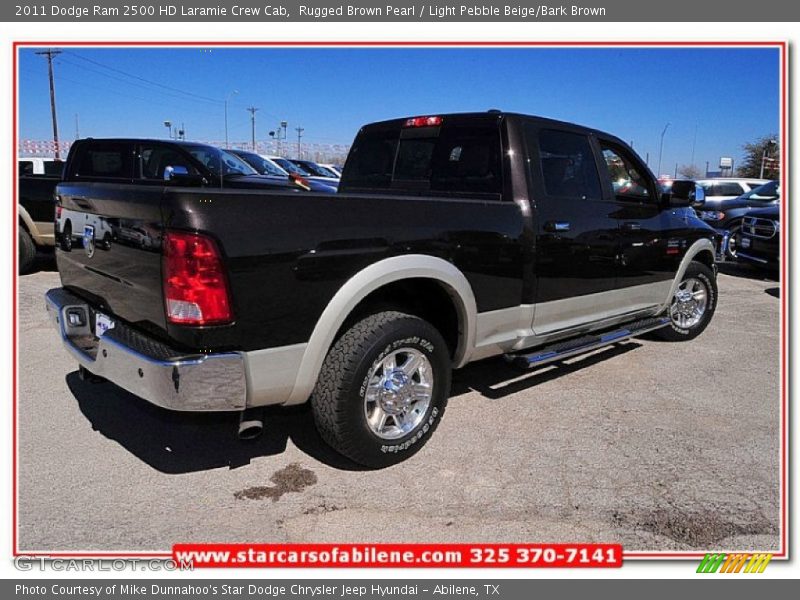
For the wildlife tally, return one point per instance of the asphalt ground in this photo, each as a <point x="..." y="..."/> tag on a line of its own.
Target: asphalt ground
<point x="658" y="446"/>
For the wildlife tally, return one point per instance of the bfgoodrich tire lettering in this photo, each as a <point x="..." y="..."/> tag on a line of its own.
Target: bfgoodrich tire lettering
<point x="341" y="393"/>
<point x="703" y="285"/>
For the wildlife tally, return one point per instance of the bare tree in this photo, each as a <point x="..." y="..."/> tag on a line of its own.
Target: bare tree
<point x="765" y="150"/>
<point x="690" y="172"/>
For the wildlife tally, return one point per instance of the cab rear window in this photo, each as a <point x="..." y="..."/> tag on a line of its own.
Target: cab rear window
<point x="450" y="159"/>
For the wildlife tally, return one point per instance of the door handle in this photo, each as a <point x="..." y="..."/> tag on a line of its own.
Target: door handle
<point x="631" y="226"/>
<point x="556" y="226"/>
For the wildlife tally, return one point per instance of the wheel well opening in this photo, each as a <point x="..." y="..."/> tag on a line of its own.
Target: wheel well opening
<point x="23" y="226"/>
<point x="424" y="298"/>
<point x="706" y="257"/>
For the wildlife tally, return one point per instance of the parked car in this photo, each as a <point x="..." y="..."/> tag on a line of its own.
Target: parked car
<point x="453" y="238"/>
<point x="266" y="167"/>
<point x="726" y="216"/>
<point x="718" y="189"/>
<point x="316" y="170"/>
<point x="295" y="169"/>
<point x="36" y="183"/>
<point x="335" y="170"/>
<point x="759" y="242"/>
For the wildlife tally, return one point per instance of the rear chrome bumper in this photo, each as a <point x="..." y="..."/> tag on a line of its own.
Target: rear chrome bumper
<point x="146" y="367"/>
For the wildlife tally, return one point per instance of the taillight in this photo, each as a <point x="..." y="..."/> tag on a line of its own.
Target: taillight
<point x="58" y="211"/>
<point x="423" y="122"/>
<point x="195" y="286"/>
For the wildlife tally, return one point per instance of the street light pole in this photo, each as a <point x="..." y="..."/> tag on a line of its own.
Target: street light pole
<point x="661" y="150"/>
<point x="299" y="131"/>
<point x="227" y="99"/>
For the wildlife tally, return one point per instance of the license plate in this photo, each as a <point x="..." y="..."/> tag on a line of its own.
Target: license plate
<point x="745" y="243"/>
<point x="102" y="324"/>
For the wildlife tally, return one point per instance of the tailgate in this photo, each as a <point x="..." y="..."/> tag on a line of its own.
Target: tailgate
<point x="109" y="248"/>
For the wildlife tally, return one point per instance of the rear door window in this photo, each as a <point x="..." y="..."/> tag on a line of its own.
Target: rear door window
<point x="106" y="160"/>
<point x="154" y="160"/>
<point x="567" y="165"/>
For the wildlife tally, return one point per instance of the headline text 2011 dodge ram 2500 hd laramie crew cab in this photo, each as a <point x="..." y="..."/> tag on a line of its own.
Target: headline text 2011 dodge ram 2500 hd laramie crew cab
<point x="452" y="238"/>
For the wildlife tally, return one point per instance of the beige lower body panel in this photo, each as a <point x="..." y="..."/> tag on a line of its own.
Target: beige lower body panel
<point x="271" y="374"/>
<point x="528" y="326"/>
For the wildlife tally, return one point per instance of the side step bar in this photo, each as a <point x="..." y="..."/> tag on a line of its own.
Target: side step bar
<point x="587" y="343"/>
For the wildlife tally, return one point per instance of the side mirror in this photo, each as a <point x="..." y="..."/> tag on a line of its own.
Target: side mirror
<point x="180" y="175"/>
<point x="685" y="193"/>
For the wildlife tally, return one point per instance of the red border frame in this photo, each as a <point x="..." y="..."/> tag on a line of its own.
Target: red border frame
<point x="784" y="330"/>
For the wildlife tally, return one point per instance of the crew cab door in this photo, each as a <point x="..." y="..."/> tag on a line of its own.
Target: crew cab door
<point x="576" y="230"/>
<point x="651" y="236"/>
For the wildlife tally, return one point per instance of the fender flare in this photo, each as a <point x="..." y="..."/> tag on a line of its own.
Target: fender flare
<point x="701" y="245"/>
<point x="366" y="281"/>
<point x="29" y="223"/>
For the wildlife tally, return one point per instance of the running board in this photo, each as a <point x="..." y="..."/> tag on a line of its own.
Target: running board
<point x="587" y="343"/>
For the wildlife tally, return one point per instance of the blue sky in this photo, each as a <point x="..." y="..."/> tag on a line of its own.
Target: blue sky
<point x="729" y="95"/>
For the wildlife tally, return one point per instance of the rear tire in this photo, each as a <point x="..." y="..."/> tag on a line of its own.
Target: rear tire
<point x="383" y="389"/>
<point x="692" y="306"/>
<point x="66" y="237"/>
<point x="27" y="252"/>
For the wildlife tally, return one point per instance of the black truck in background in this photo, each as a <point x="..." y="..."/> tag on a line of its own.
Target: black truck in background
<point x="452" y="238"/>
<point x="36" y="184"/>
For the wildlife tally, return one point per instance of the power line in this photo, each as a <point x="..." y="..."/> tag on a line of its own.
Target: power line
<point x="148" y="81"/>
<point x="134" y="84"/>
<point x="50" y="53"/>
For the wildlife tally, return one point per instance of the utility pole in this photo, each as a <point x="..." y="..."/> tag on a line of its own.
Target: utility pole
<point x="50" y="53"/>
<point x="77" y="127"/>
<point x="694" y="142"/>
<point x="299" y="131"/>
<point x="252" y="110"/>
<point x="661" y="150"/>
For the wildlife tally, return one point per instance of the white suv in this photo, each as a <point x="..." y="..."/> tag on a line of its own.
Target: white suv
<point x="725" y="188"/>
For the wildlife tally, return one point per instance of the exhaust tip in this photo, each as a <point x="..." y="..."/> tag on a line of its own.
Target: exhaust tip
<point x="251" y="424"/>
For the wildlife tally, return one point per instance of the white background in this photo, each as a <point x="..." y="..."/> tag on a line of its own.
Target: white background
<point x="51" y="33"/>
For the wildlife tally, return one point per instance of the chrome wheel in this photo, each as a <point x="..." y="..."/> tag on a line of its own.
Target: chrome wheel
<point x="689" y="303"/>
<point x="733" y="242"/>
<point x="398" y="394"/>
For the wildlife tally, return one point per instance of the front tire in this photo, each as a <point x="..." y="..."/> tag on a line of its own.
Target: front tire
<point x="692" y="306"/>
<point x="383" y="389"/>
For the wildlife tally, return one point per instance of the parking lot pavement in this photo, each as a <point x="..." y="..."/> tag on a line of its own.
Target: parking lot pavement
<point x="658" y="446"/>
